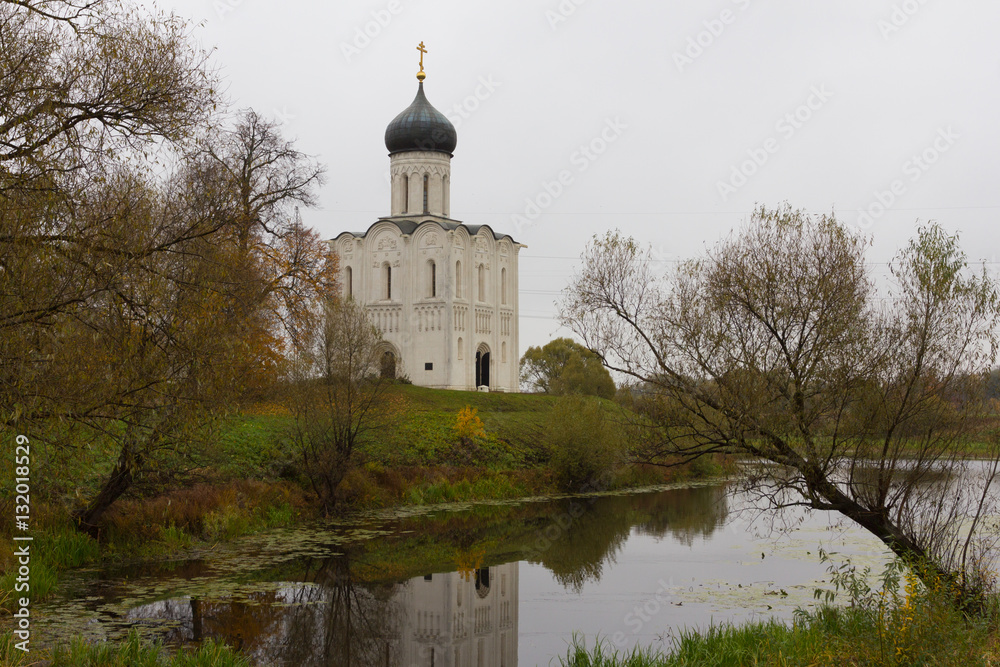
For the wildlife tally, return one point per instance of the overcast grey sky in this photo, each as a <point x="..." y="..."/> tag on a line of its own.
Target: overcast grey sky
<point x="667" y="120"/>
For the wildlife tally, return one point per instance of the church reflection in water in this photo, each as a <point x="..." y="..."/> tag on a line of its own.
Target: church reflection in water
<point x="461" y="620"/>
<point x="451" y="619"/>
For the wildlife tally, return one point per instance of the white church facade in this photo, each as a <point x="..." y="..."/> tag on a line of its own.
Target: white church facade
<point x="443" y="293"/>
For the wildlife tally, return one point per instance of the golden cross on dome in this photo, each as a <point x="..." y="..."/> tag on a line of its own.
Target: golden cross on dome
<point x="423" y="50"/>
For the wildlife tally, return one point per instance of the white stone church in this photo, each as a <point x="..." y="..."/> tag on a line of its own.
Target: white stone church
<point x="442" y="292"/>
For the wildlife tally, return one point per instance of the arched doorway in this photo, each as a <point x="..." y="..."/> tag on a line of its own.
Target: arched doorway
<point x="387" y="365"/>
<point x="483" y="366"/>
<point x="483" y="582"/>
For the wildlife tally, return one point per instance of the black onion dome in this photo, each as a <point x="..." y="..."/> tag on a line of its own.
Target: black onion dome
<point x="420" y="127"/>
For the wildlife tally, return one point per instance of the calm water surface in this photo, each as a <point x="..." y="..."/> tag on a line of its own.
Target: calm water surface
<point x="486" y="584"/>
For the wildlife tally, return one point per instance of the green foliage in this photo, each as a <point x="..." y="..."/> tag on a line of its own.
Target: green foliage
<point x="705" y="466"/>
<point x="174" y="538"/>
<point x="134" y="652"/>
<point x="911" y="617"/>
<point x="225" y="523"/>
<point x="603" y="654"/>
<point x="253" y="446"/>
<point x="54" y="549"/>
<point x="423" y="433"/>
<point x="585" y="442"/>
<point x="487" y="487"/>
<point x="64" y="547"/>
<point x="11" y="656"/>
<point x="564" y="367"/>
<point x="42" y="580"/>
<point x="899" y="622"/>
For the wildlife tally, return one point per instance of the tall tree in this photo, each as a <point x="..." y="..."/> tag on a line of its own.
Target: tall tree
<point x="88" y="90"/>
<point x="132" y="306"/>
<point x="777" y="345"/>
<point x="203" y="327"/>
<point x="563" y="366"/>
<point x="277" y="269"/>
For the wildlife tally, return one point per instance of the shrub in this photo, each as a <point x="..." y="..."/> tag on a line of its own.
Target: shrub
<point x="468" y="425"/>
<point x="585" y="443"/>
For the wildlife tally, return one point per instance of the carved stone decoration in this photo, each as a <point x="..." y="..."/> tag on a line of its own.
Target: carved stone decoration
<point x="432" y="241"/>
<point x="386" y="243"/>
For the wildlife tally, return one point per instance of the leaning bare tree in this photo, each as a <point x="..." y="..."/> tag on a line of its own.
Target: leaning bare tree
<point x="778" y="346"/>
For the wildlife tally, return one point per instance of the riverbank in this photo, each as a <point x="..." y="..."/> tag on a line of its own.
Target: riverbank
<point x="251" y="479"/>
<point x="252" y="484"/>
<point x="892" y="620"/>
<point x="911" y="632"/>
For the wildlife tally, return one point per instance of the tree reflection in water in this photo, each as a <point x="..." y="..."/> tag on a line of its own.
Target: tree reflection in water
<point x="578" y="553"/>
<point x="364" y="608"/>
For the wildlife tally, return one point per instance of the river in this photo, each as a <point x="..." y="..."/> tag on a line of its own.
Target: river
<point x="491" y="584"/>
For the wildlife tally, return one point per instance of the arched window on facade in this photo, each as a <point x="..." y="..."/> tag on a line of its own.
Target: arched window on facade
<point x="482" y="283"/>
<point x="387" y="271"/>
<point x="426" y="183"/>
<point x="406" y="191"/>
<point x="348" y="282"/>
<point x="503" y="352"/>
<point x="461" y="347"/>
<point x="458" y="279"/>
<point x="432" y="272"/>
<point x="503" y="286"/>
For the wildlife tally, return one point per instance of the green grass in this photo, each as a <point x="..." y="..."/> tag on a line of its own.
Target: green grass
<point x="425" y="435"/>
<point x="54" y="549"/>
<point x="254" y="446"/>
<point x="130" y="652"/>
<point x="830" y="637"/>
<point x="605" y="654"/>
<point x="903" y="622"/>
<point x="492" y="487"/>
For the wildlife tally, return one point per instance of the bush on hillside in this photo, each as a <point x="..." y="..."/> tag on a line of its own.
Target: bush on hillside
<point x="584" y="441"/>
